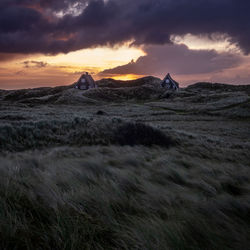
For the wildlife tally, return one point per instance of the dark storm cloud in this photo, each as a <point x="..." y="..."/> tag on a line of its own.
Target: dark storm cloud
<point x="177" y="59"/>
<point x="10" y="56"/>
<point x="32" y="26"/>
<point x="34" y="64"/>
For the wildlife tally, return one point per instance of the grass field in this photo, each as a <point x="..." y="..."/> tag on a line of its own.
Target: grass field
<point x="125" y="168"/>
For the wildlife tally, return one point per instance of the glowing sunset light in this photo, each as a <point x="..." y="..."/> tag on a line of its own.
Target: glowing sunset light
<point x="49" y="43"/>
<point x="61" y="69"/>
<point x="126" y="77"/>
<point x="98" y="57"/>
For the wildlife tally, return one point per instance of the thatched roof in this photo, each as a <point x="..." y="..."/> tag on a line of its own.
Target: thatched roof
<point x="86" y="81"/>
<point x="169" y="82"/>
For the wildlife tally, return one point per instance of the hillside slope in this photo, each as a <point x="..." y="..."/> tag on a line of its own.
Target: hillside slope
<point x="125" y="168"/>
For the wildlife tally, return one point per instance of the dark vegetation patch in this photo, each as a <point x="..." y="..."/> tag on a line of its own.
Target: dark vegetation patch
<point x="13" y="117"/>
<point x="78" y="132"/>
<point x="101" y="112"/>
<point x="233" y="188"/>
<point x="141" y="134"/>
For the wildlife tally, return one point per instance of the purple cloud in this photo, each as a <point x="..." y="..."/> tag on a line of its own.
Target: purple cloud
<point x="28" y="26"/>
<point x="177" y="59"/>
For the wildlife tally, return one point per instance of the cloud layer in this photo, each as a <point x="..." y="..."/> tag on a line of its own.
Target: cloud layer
<point x="34" y="64"/>
<point x="177" y="59"/>
<point x="54" y="26"/>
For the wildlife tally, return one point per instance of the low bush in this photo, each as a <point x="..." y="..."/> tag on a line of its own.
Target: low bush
<point x="140" y="134"/>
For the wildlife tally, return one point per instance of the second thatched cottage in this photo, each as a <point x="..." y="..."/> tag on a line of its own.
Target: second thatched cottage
<point x="85" y="82"/>
<point x="170" y="83"/>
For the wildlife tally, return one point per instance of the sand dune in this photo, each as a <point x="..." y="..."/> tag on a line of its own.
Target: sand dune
<point x="132" y="167"/>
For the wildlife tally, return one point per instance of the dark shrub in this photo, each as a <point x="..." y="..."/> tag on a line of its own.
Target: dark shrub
<point x="100" y="112"/>
<point x="141" y="134"/>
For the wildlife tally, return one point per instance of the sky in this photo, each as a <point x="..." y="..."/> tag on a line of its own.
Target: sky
<point x="52" y="42"/>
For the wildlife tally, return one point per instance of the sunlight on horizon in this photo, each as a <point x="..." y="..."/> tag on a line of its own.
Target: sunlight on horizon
<point x="101" y="58"/>
<point x="61" y="69"/>
<point x="125" y="77"/>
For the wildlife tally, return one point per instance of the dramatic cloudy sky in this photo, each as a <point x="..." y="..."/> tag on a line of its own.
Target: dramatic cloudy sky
<point x="51" y="42"/>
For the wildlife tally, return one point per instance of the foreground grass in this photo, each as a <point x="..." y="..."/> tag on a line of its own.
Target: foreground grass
<point x="122" y="198"/>
<point x="125" y="175"/>
<point x="79" y="132"/>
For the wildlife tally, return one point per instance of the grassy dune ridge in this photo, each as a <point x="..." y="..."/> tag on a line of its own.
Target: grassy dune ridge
<point x="168" y="171"/>
<point x="79" y="131"/>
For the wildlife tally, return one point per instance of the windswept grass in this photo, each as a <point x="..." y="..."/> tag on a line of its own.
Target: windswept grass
<point x="70" y="198"/>
<point x="78" y="131"/>
<point x="96" y="172"/>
